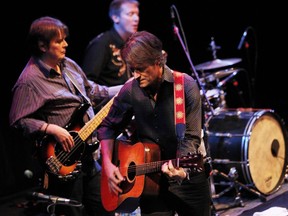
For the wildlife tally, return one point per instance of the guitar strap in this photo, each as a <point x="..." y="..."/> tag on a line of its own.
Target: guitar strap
<point x="179" y="107"/>
<point x="72" y="79"/>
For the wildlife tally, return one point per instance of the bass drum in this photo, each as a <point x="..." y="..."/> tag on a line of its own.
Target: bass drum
<point x="252" y="141"/>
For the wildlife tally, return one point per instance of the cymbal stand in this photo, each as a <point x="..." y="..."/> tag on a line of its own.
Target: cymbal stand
<point x="214" y="48"/>
<point x="234" y="184"/>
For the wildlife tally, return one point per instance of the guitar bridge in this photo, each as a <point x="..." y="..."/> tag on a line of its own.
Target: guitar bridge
<point x="69" y="177"/>
<point x="53" y="164"/>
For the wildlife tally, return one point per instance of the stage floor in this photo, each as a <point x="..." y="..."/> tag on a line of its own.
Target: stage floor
<point x="224" y="204"/>
<point x="17" y="205"/>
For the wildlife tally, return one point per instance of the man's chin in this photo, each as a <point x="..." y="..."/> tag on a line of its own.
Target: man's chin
<point x="143" y="85"/>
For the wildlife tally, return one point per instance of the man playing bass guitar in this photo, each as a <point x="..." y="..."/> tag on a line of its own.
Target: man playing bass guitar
<point x="51" y="101"/>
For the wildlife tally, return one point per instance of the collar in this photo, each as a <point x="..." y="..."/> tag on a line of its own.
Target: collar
<point x="47" y="70"/>
<point x="117" y="37"/>
<point x="168" y="74"/>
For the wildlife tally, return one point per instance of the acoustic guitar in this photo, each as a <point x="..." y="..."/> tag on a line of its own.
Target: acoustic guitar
<point x="140" y="165"/>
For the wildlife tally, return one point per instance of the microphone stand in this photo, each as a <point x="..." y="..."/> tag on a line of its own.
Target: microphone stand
<point x="211" y="181"/>
<point x="176" y="32"/>
<point x="251" y="67"/>
<point x="52" y="201"/>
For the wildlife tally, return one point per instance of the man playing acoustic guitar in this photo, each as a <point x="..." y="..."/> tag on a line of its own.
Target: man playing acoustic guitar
<point x="160" y="169"/>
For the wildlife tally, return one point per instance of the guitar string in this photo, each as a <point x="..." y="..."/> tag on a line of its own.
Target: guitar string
<point x="156" y="165"/>
<point x="64" y="156"/>
<point x="76" y="146"/>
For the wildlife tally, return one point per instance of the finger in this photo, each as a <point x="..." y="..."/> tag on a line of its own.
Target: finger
<point x="112" y="189"/>
<point x="118" y="176"/>
<point x="70" y="141"/>
<point x="170" y="166"/>
<point x="115" y="188"/>
<point x="64" y="146"/>
<point x="164" y="168"/>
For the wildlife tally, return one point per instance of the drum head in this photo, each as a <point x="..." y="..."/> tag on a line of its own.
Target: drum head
<point x="267" y="154"/>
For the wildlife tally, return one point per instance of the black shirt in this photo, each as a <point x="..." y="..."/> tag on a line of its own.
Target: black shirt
<point x="102" y="62"/>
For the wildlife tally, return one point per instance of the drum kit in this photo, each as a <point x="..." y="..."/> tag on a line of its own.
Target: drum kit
<point x="246" y="147"/>
<point x="213" y="82"/>
<point x="214" y="75"/>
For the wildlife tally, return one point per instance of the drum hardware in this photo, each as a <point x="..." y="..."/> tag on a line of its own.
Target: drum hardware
<point x="286" y="175"/>
<point x="216" y="100"/>
<point x="218" y="134"/>
<point x="223" y="136"/>
<point x="224" y="81"/>
<point x="234" y="184"/>
<point x="241" y="138"/>
<point x="223" y="73"/>
<point x="227" y="161"/>
<point x="256" y="130"/>
<point x="216" y="63"/>
<point x="211" y="81"/>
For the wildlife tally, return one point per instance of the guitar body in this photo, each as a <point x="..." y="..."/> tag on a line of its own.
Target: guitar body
<point x="56" y="160"/>
<point x="127" y="157"/>
<point x="151" y="186"/>
<point x="140" y="165"/>
<point x="61" y="163"/>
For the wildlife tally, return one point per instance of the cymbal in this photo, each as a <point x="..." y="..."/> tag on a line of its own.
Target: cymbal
<point x="223" y="73"/>
<point x="219" y="74"/>
<point x="217" y="63"/>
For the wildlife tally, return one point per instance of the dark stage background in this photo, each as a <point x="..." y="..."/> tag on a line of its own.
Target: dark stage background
<point x="262" y="83"/>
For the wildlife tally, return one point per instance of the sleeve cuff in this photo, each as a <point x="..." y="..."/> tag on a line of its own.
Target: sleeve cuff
<point x="187" y="171"/>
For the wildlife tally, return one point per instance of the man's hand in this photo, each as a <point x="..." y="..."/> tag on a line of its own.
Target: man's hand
<point x="177" y="174"/>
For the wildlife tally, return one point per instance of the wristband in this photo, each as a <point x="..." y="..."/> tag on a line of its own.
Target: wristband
<point x="45" y="131"/>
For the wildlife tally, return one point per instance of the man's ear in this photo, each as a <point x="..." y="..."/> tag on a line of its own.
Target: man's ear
<point x="42" y="46"/>
<point x="115" y="18"/>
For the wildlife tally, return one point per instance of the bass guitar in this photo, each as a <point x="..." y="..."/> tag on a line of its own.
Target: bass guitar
<point x="140" y="165"/>
<point x="62" y="163"/>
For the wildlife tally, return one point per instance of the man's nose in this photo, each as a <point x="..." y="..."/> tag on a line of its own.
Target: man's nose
<point x="136" y="74"/>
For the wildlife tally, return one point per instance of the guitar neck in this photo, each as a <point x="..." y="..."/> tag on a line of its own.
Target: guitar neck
<point x="91" y="125"/>
<point x="152" y="167"/>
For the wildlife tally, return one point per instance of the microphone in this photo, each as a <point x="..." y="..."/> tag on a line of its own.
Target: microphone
<point x="242" y="39"/>
<point x="175" y="29"/>
<point x="223" y="82"/>
<point x="172" y="15"/>
<point x="28" y="174"/>
<point x="54" y="199"/>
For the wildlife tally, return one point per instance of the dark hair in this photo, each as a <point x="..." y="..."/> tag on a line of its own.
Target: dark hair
<point x="143" y="48"/>
<point x="44" y="29"/>
<point x="115" y="6"/>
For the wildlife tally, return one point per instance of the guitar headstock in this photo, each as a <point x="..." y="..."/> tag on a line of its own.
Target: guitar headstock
<point x="194" y="161"/>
